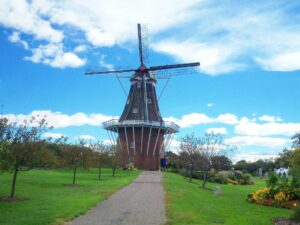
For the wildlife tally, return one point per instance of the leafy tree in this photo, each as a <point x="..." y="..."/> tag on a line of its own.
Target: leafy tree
<point x="284" y="158"/>
<point x="296" y="140"/>
<point x="114" y="154"/>
<point x="101" y="151"/>
<point x="295" y="166"/>
<point x="21" y="146"/>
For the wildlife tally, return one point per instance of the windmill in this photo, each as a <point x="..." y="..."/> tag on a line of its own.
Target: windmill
<point x="141" y="133"/>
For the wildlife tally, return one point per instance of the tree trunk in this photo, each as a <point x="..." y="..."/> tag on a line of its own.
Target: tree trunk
<point x="191" y="174"/>
<point x="74" y="171"/>
<point x="204" y="180"/>
<point x="13" y="186"/>
<point x="114" y="170"/>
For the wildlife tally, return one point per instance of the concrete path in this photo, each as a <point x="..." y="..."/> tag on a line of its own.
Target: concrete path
<point x="140" y="203"/>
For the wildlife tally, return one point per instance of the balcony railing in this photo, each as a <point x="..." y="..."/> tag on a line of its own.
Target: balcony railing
<point x="111" y="124"/>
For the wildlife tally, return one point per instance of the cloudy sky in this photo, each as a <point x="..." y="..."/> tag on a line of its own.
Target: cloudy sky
<point x="247" y="87"/>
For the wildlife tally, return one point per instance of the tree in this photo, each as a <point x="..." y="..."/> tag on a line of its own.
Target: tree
<point x="296" y="140"/>
<point x="207" y="153"/>
<point x="188" y="146"/>
<point x="295" y="166"/>
<point x="212" y="146"/>
<point x="21" y="145"/>
<point x="101" y="151"/>
<point x="284" y="158"/>
<point x="114" y="154"/>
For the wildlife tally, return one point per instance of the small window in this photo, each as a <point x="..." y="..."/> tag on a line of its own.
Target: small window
<point x="139" y="84"/>
<point x="149" y="100"/>
<point x="127" y="102"/>
<point x="134" y="110"/>
<point x="131" y="144"/>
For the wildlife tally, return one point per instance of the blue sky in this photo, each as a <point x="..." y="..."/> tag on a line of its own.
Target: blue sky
<point x="247" y="86"/>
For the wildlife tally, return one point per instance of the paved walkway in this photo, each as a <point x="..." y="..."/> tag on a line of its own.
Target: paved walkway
<point x="140" y="203"/>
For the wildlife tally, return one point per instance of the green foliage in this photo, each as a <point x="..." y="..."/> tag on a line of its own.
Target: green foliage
<point x="277" y="182"/>
<point x="280" y="192"/>
<point x="296" y="140"/>
<point x="50" y="202"/>
<point x="228" y="177"/>
<point x="296" y="214"/>
<point x="247" y="179"/>
<point x="284" y="159"/>
<point x="188" y="204"/>
<point x="295" y="166"/>
<point x="253" y="167"/>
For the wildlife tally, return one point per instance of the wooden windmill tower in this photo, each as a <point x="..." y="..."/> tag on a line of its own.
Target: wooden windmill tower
<point x="141" y="133"/>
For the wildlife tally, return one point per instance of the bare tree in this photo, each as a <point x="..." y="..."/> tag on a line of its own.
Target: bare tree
<point x="207" y="154"/>
<point x="211" y="151"/>
<point x="188" y="147"/>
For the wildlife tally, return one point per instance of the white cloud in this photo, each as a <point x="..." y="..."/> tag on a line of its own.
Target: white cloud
<point x="80" y="48"/>
<point x="270" y="118"/>
<point x="216" y="130"/>
<point x="15" y="38"/>
<point x="227" y="118"/>
<point x="67" y="59"/>
<point x="266" y="33"/>
<point x="100" y="39"/>
<point x="60" y="120"/>
<point x="210" y="105"/>
<point x="281" y="62"/>
<point x="272" y="128"/>
<point x="54" y="55"/>
<point x="25" y="17"/>
<point x="53" y="135"/>
<point x="215" y="59"/>
<point x="257" y="141"/>
<point x="105" y="65"/>
<point x="191" y="119"/>
<point x="86" y="137"/>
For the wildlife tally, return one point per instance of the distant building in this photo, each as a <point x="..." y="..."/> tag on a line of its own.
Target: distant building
<point x="282" y="172"/>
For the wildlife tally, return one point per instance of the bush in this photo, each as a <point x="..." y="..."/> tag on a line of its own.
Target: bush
<point x="238" y="175"/>
<point x="296" y="214"/>
<point x="247" y="179"/>
<point x="278" y="197"/>
<point x="130" y="166"/>
<point x="222" y="177"/>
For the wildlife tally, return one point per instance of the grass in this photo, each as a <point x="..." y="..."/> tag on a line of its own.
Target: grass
<point x="186" y="203"/>
<point x="50" y="202"/>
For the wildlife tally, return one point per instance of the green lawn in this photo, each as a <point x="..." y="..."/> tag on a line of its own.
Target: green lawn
<point x="50" y="202"/>
<point x="186" y="203"/>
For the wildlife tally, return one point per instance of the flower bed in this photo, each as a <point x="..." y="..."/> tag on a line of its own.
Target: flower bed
<point x="286" y="197"/>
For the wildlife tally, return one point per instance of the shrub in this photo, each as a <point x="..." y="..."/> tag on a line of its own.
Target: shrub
<point x="233" y="182"/>
<point x="130" y="166"/>
<point x="296" y="214"/>
<point x="284" y="197"/>
<point x="247" y="179"/>
<point x="295" y="167"/>
<point x="238" y="175"/>
<point x="222" y="177"/>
